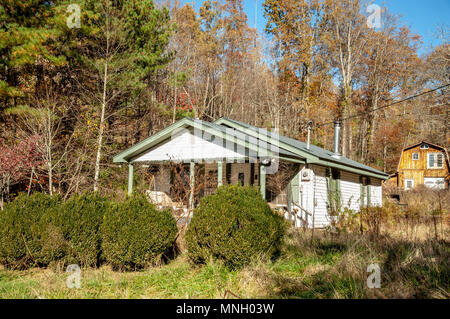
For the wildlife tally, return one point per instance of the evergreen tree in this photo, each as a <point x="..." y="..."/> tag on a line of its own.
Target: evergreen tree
<point x="27" y="42"/>
<point x="122" y="45"/>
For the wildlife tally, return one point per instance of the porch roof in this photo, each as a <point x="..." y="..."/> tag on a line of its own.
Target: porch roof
<point x="258" y="141"/>
<point x="250" y="144"/>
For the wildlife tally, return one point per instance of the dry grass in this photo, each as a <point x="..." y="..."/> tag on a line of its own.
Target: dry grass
<point x="331" y="265"/>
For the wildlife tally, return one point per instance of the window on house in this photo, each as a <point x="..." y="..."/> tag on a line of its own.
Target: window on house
<point x="430" y="160"/>
<point x="415" y="156"/>
<point x="424" y="146"/>
<point x="333" y="189"/>
<point x="435" y="160"/>
<point x="439" y="160"/>
<point x="409" y="183"/>
<point x="241" y="179"/>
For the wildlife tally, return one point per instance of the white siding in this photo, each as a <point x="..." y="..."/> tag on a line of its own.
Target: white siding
<point x="306" y="196"/>
<point x="350" y="191"/>
<point x="375" y="192"/>
<point x="313" y="197"/>
<point x="313" y="194"/>
<point x="187" y="146"/>
<point x="321" y="218"/>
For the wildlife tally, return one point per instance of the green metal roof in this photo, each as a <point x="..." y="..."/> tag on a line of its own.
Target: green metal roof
<point x="233" y="136"/>
<point x="253" y="138"/>
<point x="317" y="154"/>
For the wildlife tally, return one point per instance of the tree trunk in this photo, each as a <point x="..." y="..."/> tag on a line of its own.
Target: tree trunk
<point x="101" y="130"/>
<point x="49" y="154"/>
<point x="343" y="114"/>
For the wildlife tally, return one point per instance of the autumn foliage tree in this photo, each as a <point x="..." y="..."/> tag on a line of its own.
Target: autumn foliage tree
<point x="16" y="164"/>
<point x="134" y="67"/>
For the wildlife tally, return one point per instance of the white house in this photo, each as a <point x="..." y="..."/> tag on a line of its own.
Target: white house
<point x="312" y="182"/>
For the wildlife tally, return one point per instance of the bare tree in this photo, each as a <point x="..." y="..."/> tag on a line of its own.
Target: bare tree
<point x="45" y="120"/>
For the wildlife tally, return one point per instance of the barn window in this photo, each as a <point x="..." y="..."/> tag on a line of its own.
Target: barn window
<point x="435" y="160"/>
<point x="439" y="160"/>
<point x="415" y="156"/>
<point x="409" y="183"/>
<point x="424" y="146"/>
<point x="431" y="160"/>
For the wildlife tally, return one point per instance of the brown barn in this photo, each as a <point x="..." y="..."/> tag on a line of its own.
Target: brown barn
<point x="423" y="163"/>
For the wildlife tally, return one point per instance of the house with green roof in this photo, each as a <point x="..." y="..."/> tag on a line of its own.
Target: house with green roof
<point x="191" y="158"/>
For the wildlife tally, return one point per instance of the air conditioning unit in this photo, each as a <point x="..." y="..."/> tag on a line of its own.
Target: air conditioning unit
<point x="306" y="175"/>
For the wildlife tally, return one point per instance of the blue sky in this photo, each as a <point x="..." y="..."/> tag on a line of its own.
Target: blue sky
<point x="421" y="16"/>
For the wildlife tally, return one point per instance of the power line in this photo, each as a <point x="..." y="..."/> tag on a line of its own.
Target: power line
<point x="384" y="106"/>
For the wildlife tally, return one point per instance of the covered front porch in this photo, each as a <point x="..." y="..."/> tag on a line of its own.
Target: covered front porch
<point x="182" y="185"/>
<point x="191" y="158"/>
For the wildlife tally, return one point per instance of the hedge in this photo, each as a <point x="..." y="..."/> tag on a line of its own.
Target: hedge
<point x="23" y="224"/>
<point x="136" y="234"/>
<point x="234" y="225"/>
<point x="73" y="233"/>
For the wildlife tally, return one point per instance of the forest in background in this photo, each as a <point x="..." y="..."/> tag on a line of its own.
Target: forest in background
<point x="73" y="95"/>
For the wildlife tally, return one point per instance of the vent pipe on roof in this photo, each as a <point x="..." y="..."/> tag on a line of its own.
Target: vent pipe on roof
<point x="337" y="130"/>
<point x="310" y="123"/>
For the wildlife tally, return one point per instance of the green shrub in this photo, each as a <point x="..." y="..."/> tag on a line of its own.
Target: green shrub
<point x="22" y="225"/>
<point x="234" y="225"/>
<point x="73" y="231"/>
<point x="135" y="234"/>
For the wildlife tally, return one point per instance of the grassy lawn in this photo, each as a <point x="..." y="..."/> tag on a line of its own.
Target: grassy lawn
<point x="329" y="266"/>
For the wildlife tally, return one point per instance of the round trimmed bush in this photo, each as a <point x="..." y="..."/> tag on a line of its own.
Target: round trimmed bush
<point x="135" y="234"/>
<point x="22" y="225"/>
<point x="234" y="225"/>
<point x="73" y="231"/>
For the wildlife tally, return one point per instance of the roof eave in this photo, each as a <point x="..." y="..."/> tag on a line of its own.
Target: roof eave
<point x="126" y="155"/>
<point x="311" y="159"/>
<point x="136" y="150"/>
<point x="307" y="156"/>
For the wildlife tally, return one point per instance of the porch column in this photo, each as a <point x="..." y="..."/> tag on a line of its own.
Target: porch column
<point x="219" y="173"/>
<point x="192" y="180"/>
<point x="130" y="178"/>
<point x="262" y="180"/>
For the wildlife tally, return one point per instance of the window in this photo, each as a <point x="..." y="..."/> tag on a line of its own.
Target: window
<point x="439" y="160"/>
<point x="435" y="160"/>
<point x="241" y="179"/>
<point x="415" y="156"/>
<point x="434" y="182"/>
<point x="409" y="184"/>
<point x="424" y="146"/>
<point x="333" y="189"/>
<point x="430" y="160"/>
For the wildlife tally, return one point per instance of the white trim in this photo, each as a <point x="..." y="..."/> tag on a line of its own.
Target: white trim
<point x="186" y="147"/>
<point x="418" y="156"/>
<point x="434" y="182"/>
<point x="435" y="161"/>
<point x="406" y="183"/>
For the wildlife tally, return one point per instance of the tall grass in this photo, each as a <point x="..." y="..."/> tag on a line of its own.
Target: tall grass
<point x="414" y="263"/>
